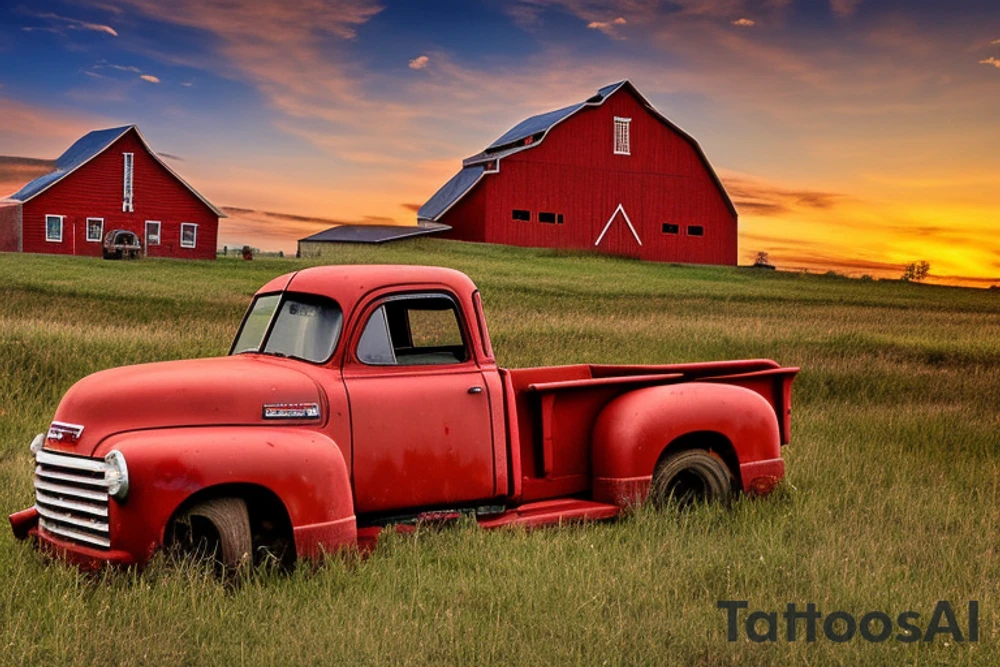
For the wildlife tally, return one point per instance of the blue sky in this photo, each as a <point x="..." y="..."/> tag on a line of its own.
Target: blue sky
<point x="873" y="117"/>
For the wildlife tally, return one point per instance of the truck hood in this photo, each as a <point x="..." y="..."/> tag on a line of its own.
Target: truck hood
<point x="199" y="392"/>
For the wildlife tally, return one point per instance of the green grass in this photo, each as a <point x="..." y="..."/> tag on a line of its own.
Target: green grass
<point x="892" y="501"/>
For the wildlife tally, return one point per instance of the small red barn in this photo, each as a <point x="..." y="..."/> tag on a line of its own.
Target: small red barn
<point x="610" y="174"/>
<point x="110" y="179"/>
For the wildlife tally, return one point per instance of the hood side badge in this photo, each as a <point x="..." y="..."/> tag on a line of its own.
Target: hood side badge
<point x="63" y="431"/>
<point x="291" y="411"/>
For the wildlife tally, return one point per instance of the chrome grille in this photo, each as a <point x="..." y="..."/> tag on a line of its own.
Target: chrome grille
<point x="71" y="496"/>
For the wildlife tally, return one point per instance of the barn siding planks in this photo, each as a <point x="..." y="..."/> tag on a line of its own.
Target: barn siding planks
<point x="95" y="191"/>
<point x="575" y="172"/>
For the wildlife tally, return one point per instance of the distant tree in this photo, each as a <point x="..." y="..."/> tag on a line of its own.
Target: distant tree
<point x="916" y="271"/>
<point x="761" y="259"/>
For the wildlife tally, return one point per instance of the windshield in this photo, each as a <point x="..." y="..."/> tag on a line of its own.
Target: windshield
<point x="291" y="325"/>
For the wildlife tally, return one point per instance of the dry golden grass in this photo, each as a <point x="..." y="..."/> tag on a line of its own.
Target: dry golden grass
<point x="891" y="502"/>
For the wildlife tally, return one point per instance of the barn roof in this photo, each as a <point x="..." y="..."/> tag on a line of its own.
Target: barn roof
<point x="373" y="233"/>
<point x="513" y="141"/>
<point x="85" y="149"/>
<point x="450" y="192"/>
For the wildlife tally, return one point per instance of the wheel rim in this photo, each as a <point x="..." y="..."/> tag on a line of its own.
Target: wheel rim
<point x="688" y="487"/>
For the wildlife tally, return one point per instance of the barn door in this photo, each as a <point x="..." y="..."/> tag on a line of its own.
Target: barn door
<point x="619" y="236"/>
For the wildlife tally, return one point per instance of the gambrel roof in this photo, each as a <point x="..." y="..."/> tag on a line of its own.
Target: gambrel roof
<point x="528" y="134"/>
<point x="85" y="149"/>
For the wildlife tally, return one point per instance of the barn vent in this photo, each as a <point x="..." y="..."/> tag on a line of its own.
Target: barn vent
<point x="622" y="143"/>
<point x="127" y="193"/>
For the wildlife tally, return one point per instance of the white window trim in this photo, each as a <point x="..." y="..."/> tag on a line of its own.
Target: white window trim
<point x="62" y="220"/>
<point x="159" y="232"/>
<point x="194" y="244"/>
<point x="100" y="236"/>
<point x="128" y="182"/>
<point x="627" y="123"/>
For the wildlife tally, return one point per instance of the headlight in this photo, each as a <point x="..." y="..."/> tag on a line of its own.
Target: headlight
<point x="116" y="475"/>
<point x="38" y="443"/>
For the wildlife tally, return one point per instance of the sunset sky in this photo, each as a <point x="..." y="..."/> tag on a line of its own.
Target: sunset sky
<point x="853" y="135"/>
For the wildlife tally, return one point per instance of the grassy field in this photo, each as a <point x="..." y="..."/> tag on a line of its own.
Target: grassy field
<point x="891" y="501"/>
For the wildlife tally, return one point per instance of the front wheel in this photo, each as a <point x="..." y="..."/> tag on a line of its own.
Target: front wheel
<point x="217" y="529"/>
<point x="691" y="476"/>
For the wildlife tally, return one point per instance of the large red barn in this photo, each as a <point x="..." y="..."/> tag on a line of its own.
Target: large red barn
<point x="610" y="174"/>
<point x="110" y="179"/>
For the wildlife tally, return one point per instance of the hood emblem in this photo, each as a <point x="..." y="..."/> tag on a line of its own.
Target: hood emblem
<point x="291" y="411"/>
<point x="62" y="431"/>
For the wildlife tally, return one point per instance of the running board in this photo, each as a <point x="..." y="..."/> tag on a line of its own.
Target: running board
<point x="530" y="515"/>
<point x="548" y="512"/>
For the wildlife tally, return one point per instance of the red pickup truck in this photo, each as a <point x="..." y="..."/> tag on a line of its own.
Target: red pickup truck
<point x="359" y="396"/>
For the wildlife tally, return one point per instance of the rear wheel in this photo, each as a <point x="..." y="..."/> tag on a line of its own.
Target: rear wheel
<point x="218" y="530"/>
<point x="691" y="476"/>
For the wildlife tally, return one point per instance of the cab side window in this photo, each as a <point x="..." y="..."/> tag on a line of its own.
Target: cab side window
<point x="420" y="330"/>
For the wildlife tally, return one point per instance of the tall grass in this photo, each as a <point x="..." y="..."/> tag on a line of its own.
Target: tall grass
<point x="891" y="502"/>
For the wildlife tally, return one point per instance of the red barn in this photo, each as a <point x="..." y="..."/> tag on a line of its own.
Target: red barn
<point x="610" y="174"/>
<point x="110" y="179"/>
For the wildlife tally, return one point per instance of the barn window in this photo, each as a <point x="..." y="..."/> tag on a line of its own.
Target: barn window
<point x="560" y="220"/>
<point x="127" y="184"/>
<point x="53" y="228"/>
<point x="622" y="144"/>
<point x="152" y="232"/>
<point x="95" y="229"/>
<point x="696" y="230"/>
<point x="547" y="218"/>
<point x="670" y="229"/>
<point x="518" y="214"/>
<point x="189" y="235"/>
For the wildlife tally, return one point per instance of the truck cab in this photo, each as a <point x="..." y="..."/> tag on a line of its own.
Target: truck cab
<point x="355" y="397"/>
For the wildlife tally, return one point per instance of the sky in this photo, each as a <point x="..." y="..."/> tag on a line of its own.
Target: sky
<point x="853" y="135"/>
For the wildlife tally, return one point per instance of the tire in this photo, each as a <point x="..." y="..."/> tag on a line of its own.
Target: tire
<point x="217" y="529"/>
<point x="689" y="477"/>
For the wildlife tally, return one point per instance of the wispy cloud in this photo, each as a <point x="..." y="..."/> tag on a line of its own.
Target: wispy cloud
<point x="991" y="61"/>
<point x="75" y="24"/>
<point x="609" y="28"/>
<point x="755" y="196"/>
<point x="995" y="42"/>
<point x="844" y="8"/>
<point x="744" y="23"/>
<point x="419" y="62"/>
<point x="95" y="71"/>
<point x="16" y="171"/>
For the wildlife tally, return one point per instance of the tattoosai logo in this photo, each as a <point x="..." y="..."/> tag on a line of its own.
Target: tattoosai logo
<point x="840" y="626"/>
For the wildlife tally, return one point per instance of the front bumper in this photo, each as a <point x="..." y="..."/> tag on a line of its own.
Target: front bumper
<point x="25" y="526"/>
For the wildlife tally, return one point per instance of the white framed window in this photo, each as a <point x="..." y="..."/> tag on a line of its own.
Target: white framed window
<point x="127" y="183"/>
<point x="189" y="235"/>
<point x="54" y="228"/>
<point x="152" y="232"/>
<point x="623" y="145"/>
<point x="95" y="229"/>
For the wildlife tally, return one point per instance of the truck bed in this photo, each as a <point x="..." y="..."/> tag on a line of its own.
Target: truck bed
<point x="556" y="408"/>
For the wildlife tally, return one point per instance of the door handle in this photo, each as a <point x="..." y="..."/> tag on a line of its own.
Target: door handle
<point x="475" y="390"/>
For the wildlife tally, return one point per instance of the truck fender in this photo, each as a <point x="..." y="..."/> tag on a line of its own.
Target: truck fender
<point x="304" y="469"/>
<point x="634" y="430"/>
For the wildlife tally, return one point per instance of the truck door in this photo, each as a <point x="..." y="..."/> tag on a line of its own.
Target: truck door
<point x="420" y="415"/>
